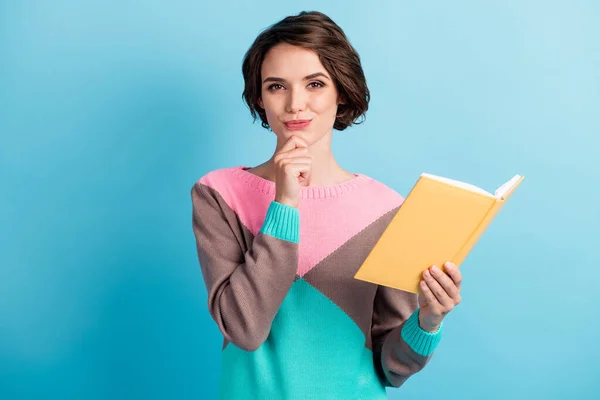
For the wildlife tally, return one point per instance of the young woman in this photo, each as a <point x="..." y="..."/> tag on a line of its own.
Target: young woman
<point x="279" y="243"/>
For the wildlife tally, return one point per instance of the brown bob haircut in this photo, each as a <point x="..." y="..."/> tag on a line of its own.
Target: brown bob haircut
<point x="315" y="31"/>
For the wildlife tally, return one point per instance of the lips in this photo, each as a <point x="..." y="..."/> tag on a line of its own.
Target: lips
<point x="297" y="124"/>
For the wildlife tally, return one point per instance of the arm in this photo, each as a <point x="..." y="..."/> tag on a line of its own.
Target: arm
<point x="400" y="347"/>
<point x="245" y="290"/>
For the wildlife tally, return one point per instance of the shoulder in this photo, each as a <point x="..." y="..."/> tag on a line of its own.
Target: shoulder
<point x="381" y="190"/>
<point x="215" y="181"/>
<point x="219" y="178"/>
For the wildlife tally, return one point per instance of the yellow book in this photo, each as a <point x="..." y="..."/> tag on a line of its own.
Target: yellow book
<point x="440" y="220"/>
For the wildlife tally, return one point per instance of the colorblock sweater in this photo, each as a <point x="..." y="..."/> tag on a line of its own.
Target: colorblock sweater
<point x="280" y="285"/>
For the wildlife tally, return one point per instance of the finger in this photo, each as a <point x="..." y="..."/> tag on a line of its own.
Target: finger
<point x="297" y="152"/>
<point x="439" y="292"/>
<point x="446" y="282"/>
<point x="454" y="273"/>
<point x="292" y="143"/>
<point x="300" y="142"/>
<point x="296" y="168"/>
<point x="426" y="291"/>
<point x="297" y="160"/>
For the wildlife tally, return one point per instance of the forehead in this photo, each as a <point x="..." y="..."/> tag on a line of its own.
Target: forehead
<point x="291" y="62"/>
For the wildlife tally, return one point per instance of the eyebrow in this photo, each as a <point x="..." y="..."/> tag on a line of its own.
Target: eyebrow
<point x="311" y="76"/>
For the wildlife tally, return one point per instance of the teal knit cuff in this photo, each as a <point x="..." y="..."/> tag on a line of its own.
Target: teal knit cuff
<point x="282" y="221"/>
<point x="420" y="340"/>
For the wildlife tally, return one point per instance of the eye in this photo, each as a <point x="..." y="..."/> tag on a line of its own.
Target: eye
<point x="275" y="86"/>
<point x="316" y="84"/>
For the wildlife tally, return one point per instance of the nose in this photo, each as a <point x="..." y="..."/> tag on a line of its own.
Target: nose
<point x="296" y="100"/>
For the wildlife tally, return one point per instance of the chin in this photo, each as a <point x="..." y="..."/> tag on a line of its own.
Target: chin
<point x="309" y="136"/>
<point x="306" y="135"/>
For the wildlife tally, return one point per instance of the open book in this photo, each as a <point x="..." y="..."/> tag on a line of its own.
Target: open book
<point x="440" y="220"/>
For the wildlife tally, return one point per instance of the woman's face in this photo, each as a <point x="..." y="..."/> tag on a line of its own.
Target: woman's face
<point x="296" y="87"/>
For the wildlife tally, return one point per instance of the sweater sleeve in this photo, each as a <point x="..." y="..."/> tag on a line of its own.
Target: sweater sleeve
<point x="245" y="288"/>
<point x="401" y="347"/>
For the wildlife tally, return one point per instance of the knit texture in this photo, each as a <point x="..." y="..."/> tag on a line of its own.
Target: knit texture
<point x="420" y="341"/>
<point x="295" y="323"/>
<point x="282" y="222"/>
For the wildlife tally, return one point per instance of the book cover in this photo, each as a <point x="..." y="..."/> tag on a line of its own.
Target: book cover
<point x="440" y="220"/>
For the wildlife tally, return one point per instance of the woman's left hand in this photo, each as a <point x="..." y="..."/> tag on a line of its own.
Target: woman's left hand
<point x="440" y="293"/>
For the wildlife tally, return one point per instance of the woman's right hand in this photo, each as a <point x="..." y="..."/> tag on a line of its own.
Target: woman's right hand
<point x="292" y="170"/>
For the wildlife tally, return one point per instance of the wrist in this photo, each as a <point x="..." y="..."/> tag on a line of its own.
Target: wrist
<point x="286" y="202"/>
<point x="282" y="222"/>
<point x="428" y="325"/>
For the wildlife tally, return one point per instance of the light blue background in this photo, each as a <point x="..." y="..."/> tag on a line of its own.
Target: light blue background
<point x="109" y="111"/>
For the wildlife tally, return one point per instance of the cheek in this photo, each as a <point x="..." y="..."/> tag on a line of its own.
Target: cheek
<point x="268" y="107"/>
<point x="272" y="105"/>
<point x="325" y="106"/>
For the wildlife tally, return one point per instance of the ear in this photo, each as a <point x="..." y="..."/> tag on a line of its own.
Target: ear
<point x="260" y="103"/>
<point x="340" y="102"/>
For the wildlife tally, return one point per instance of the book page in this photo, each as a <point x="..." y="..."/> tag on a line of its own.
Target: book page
<point x="499" y="193"/>
<point x="460" y="184"/>
<point x="502" y="190"/>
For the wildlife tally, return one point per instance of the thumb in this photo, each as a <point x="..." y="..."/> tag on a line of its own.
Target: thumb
<point x="299" y="142"/>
